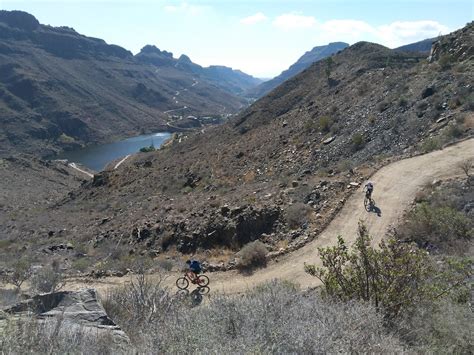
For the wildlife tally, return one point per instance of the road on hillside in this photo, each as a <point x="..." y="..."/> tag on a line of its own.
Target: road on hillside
<point x="395" y="186"/>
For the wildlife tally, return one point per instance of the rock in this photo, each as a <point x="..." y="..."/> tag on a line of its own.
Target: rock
<point x="354" y="184"/>
<point x="225" y="210"/>
<point x="294" y="183"/>
<point x="284" y="124"/>
<point x="77" y="309"/>
<point x="329" y="140"/>
<point x="427" y="92"/>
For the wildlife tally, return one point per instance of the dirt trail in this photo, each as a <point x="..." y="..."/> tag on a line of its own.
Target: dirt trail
<point x="394" y="189"/>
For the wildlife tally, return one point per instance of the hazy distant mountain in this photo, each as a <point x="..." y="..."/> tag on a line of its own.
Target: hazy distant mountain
<point x="60" y="89"/>
<point x="231" y="80"/>
<point x="421" y="46"/>
<point x="314" y="55"/>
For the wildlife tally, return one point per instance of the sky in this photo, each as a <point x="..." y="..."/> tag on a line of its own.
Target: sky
<point x="259" y="37"/>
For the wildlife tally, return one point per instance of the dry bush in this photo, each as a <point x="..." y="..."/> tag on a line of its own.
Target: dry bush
<point x="467" y="166"/>
<point x="273" y="318"/>
<point x="48" y="279"/>
<point x="444" y="327"/>
<point x="297" y="214"/>
<point x="26" y="335"/>
<point x="138" y="303"/>
<point x="8" y="297"/>
<point x="252" y="255"/>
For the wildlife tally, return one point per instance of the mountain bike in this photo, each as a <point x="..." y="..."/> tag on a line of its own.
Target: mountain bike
<point x="183" y="282"/>
<point x="369" y="203"/>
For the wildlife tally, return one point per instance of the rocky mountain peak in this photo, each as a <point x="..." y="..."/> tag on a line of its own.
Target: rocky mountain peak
<point x="185" y="59"/>
<point x="151" y="49"/>
<point x="19" y="19"/>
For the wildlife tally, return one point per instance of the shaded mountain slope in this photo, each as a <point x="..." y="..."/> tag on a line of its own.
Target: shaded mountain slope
<point x="314" y="55"/>
<point x="423" y="46"/>
<point x="280" y="170"/>
<point x="59" y="89"/>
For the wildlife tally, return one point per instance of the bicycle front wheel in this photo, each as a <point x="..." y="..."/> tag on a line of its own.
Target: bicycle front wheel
<point x="182" y="283"/>
<point x="202" y="280"/>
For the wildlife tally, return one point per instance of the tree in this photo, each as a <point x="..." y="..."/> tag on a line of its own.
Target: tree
<point x="21" y="271"/>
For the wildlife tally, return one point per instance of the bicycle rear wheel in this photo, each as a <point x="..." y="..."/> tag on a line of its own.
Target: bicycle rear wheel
<point x="367" y="204"/>
<point x="182" y="283"/>
<point x="202" y="280"/>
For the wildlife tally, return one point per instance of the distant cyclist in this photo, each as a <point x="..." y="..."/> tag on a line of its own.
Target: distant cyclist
<point x="369" y="188"/>
<point x="194" y="267"/>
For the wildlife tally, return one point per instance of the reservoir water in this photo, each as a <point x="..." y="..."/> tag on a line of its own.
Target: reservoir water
<point x="98" y="156"/>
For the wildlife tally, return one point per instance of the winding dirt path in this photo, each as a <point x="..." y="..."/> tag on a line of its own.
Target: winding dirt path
<point x="395" y="186"/>
<point x="74" y="166"/>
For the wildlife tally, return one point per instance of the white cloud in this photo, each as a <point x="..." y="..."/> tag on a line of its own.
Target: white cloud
<point x="252" y="20"/>
<point x="403" y="32"/>
<point x="294" y="21"/>
<point x="391" y="35"/>
<point x="185" y="8"/>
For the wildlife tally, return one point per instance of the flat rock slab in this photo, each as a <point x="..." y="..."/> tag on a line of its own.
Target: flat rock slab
<point x="76" y="309"/>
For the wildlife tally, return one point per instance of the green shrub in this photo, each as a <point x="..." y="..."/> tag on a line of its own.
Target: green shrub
<point x="81" y="264"/>
<point x="391" y="276"/>
<point x="446" y="61"/>
<point x="358" y="141"/>
<point x="325" y="123"/>
<point x="443" y="227"/>
<point x="453" y="132"/>
<point x="252" y="255"/>
<point x="148" y="149"/>
<point x="430" y="144"/>
<point x="65" y="139"/>
<point x="403" y="102"/>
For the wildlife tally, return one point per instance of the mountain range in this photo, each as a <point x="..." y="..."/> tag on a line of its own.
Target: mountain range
<point x="310" y="57"/>
<point x="60" y="89"/>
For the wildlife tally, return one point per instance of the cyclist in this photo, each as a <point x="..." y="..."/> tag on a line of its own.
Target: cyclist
<point x="194" y="268"/>
<point x="368" y="188"/>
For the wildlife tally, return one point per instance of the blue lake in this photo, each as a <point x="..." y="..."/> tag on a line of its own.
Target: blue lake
<point x="98" y="156"/>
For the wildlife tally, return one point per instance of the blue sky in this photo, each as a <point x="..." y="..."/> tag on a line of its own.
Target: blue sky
<point x="260" y="37"/>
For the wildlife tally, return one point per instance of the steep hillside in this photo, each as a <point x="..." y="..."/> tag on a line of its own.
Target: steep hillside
<point x="310" y="57"/>
<point x="280" y="170"/>
<point x="60" y="89"/>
